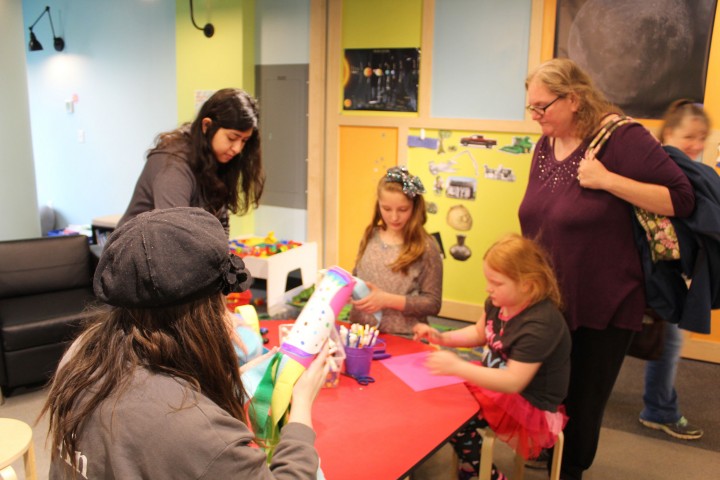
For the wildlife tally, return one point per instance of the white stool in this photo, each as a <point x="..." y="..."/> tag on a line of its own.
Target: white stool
<point x="8" y="474"/>
<point x="275" y="269"/>
<point x="486" y="457"/>
<point x="16" y="440"/>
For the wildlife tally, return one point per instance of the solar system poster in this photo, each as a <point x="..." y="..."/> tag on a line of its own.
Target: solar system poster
<point x="642" y="58"/>
<point x="381" y="79"/>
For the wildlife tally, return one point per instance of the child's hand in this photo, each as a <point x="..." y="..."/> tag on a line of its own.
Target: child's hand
<point x="443" y="362"/>
<point x="372" y="302"/>
<point x="307" y="387"/>
<point x="312" y="379"/>
<point x="424" y="331"/>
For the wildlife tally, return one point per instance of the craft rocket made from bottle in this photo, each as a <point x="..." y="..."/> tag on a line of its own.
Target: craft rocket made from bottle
<point x="312" y="327"/>
<point x="271" y="401"/>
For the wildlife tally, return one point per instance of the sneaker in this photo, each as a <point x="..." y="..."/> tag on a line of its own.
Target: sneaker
<point x="680" y="429"/>
<point x="540" y="462"/>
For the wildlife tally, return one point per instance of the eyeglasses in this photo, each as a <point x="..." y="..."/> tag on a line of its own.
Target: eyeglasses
<point x="540" y="110"/>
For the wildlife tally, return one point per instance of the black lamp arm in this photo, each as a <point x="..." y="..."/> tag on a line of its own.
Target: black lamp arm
<point x="208" y="29"/>
<point x="47" y="10"/>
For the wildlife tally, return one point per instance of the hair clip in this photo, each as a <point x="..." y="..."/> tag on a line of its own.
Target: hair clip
<point x="411" y="185"/>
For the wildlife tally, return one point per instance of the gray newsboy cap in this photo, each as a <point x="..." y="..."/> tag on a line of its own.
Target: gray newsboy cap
<point x="168" y="257"/>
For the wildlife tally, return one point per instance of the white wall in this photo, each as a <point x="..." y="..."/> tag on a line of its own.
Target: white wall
<point x="282" y="32"/>
<point x="119" y="63"/>
<point x="18" y="207"/>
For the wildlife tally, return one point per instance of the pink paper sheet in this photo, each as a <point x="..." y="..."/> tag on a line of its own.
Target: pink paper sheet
<point x="410" y="368"/>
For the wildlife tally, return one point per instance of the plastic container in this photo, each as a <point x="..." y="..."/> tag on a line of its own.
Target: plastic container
<point x="358" y="361"/>
<point x="238" y="299"/>
<point x="337" y="358"/>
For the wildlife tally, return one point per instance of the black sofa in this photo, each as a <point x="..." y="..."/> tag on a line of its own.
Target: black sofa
<point x="45" y="287"/>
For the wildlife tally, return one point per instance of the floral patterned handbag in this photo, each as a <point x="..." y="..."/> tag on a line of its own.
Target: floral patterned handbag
<point x="659" y="231"/>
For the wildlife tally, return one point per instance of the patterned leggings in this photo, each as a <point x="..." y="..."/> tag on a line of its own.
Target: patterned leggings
<point x="467" y="444"/>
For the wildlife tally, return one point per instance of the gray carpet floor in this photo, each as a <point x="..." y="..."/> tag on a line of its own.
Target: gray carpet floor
<point x="698" y="387"/>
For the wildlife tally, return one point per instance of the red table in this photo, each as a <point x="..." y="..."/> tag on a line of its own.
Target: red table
<point x="383" y="430"/>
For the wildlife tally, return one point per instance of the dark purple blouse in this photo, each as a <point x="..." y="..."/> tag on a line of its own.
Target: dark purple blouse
<point x="589" y="233"/>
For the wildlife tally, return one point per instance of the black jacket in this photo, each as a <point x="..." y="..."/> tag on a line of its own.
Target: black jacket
<point x="699" y="239"/>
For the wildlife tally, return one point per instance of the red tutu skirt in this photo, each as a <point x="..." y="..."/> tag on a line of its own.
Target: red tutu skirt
<point x="515" y="421"/>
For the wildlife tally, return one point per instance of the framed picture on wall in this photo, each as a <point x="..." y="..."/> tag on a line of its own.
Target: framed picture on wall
<point x="642" y="55"/>
<point x="381" y="79"/>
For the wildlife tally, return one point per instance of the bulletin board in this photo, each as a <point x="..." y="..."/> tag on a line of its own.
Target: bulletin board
<point x="474" y="184"/>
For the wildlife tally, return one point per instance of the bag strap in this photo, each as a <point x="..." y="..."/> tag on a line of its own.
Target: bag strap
<point x="604" y="133"/>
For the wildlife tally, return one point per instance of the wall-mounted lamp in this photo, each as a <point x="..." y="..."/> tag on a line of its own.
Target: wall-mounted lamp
<point x="34" y="45"/>
<point x="208" y="29"/>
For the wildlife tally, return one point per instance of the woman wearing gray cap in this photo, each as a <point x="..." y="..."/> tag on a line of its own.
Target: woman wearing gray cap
<point x="151" y="388"/>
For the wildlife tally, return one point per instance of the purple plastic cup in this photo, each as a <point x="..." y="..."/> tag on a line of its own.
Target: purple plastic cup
<point x="358" y="361"/>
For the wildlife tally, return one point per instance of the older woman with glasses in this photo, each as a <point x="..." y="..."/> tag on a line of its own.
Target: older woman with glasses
<point x="578" y="205"/>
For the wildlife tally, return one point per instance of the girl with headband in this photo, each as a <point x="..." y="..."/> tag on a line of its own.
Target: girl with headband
<point x="400" y="262"/>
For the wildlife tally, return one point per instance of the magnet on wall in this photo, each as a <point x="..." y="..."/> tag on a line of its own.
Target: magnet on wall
<point x="437" y="167"/>
<point x="438" y="239"/>
<point x="460" y="251"/>
<point x="439" y="185"/>
<point x="499" y="173"/>
<point x="463" y="188"/>
<point x="459" y="218"/>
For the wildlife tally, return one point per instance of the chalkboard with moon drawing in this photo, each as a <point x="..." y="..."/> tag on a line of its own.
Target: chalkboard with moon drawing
<point x="642" y="55"/>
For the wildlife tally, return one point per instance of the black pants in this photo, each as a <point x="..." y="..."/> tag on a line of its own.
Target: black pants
<point x="596" y="358"/>
<point x="467" y="443"/>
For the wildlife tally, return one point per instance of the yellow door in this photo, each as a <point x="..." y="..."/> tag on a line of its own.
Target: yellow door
<point x="365" y="155"/>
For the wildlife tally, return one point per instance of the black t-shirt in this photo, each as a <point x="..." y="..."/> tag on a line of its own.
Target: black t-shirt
<point x="537" y="334"/>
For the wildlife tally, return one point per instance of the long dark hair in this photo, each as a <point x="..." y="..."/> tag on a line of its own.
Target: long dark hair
<point x="189" y="341"/>
<point x="221" y="185"/>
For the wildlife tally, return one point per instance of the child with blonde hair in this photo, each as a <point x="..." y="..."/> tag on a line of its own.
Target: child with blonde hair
<point x="400" y="262"/>
<point x="525" y="370"/>
<point x="683" y="134"/>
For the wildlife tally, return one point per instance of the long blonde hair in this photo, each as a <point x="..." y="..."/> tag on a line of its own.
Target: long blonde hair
<point x="565" y="78"/>
<point x="415" y="236"/>
<point x="523" y="260"/>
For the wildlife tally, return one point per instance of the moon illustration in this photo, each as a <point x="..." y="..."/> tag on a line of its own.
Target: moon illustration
<point x="636" y="55"/>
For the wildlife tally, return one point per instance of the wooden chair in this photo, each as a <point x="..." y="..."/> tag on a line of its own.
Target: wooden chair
<point x="486" y="457"/>
<point x="16" y="441"/>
